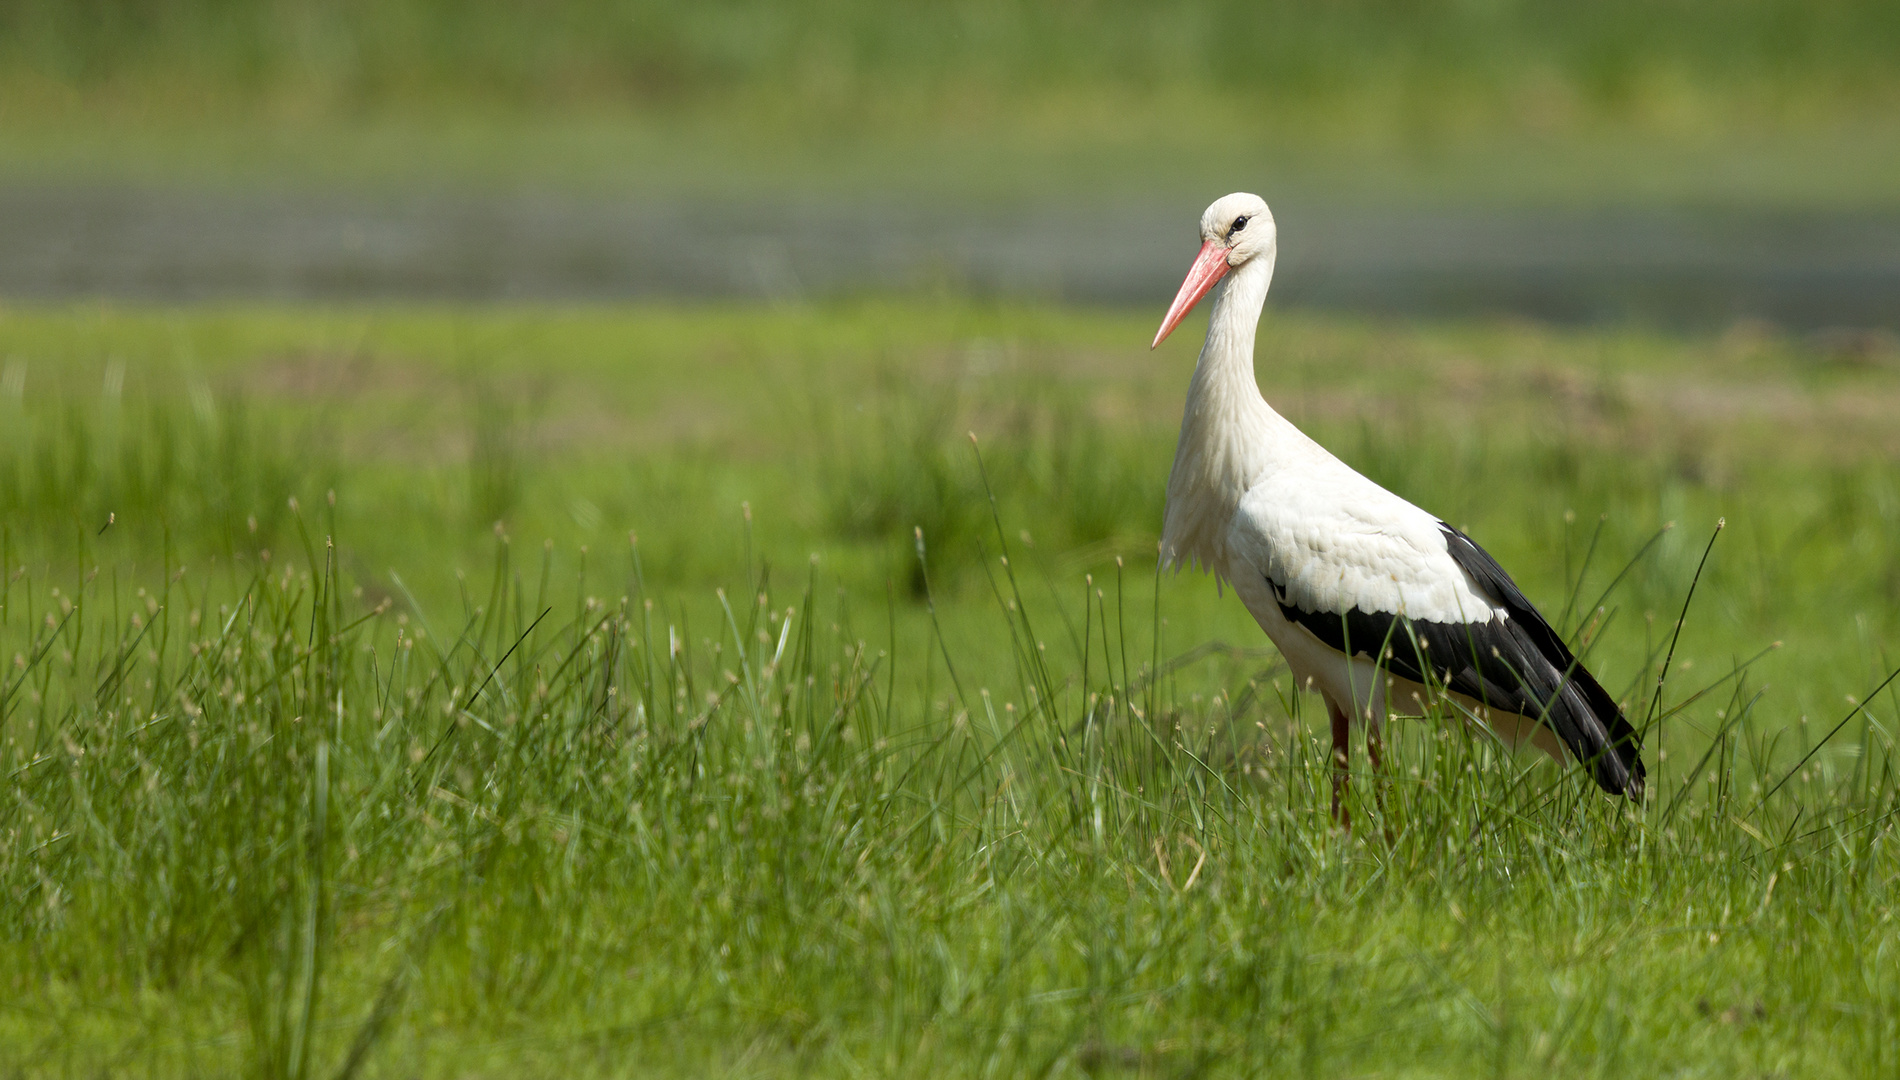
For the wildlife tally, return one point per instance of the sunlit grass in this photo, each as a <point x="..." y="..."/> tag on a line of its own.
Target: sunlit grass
<point x="1764" y="102"/>
<point x="853" y="60"/>
<point x="295" y="786"/>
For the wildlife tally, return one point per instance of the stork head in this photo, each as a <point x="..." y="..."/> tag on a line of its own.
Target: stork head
<point x="1234" y="231"/>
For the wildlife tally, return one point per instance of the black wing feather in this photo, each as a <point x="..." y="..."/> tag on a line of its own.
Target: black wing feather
<point x="1516" y="664"/>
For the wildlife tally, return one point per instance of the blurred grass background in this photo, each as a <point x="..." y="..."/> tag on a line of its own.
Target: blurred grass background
<point x="841" y="428"/>
<point x="1754" y="100"/>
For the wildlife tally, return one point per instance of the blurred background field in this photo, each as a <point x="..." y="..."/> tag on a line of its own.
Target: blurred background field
<point x="1680" y="163"/>
<point x="345" y="348"/>
<point x="1764" y="99"/>
<point x="719" y="435"/>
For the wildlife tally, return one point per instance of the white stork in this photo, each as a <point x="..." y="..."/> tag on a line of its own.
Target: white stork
<point x="1367" y="596"/>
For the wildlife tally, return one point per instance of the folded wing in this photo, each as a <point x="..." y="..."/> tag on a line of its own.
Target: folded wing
<point x="1369" y="574"/>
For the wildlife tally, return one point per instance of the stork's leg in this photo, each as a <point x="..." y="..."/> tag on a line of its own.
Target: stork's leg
<point x="1342" y="761"/>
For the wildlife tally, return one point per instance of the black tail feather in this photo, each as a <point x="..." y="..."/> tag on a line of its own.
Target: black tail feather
<point x="1566" y="696"/>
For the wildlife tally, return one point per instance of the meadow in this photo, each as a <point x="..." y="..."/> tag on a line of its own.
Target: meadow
<point x="1750" y="103"/>
<point x="739" y="691"/>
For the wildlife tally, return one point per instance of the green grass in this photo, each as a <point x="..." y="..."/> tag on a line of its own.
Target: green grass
<point x="1750" y="101"/>
<point x="444" y="776"/>
<point x="853" y="59"/>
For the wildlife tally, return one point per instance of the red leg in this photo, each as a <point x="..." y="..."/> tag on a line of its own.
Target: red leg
<point x="1342" y="761"/>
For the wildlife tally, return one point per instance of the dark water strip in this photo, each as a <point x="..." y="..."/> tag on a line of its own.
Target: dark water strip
<point x="1799" y="270"/>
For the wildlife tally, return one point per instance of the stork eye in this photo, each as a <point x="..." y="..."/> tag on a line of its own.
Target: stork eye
<point x="1239" y="224"/>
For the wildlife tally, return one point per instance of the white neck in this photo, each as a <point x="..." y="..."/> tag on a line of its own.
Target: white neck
<point x="1230" y="436"/>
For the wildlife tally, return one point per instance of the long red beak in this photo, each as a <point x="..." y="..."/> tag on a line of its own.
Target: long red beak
<point x="1209" y="266"/>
